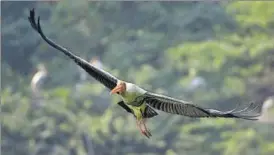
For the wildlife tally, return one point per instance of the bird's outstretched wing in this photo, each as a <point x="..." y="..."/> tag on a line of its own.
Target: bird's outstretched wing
<point x="124" y="106"/>
<point x="100" y="75"/>
<point x="174" y="106"/>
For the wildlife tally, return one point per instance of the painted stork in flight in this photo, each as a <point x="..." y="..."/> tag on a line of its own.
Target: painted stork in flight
<point x="138" y="101"/>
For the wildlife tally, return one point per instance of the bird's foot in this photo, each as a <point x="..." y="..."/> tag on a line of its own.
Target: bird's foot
<point x="142" y="127"/>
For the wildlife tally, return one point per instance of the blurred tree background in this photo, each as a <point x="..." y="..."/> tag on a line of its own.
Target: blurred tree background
<point x="215" y="54"/>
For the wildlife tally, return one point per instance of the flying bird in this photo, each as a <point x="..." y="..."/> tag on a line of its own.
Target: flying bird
<point x="136" y="100"/>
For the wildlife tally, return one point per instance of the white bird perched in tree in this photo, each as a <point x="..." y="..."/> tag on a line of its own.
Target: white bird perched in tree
<point x="38" y="78"/>
<point x="36" y="83"/>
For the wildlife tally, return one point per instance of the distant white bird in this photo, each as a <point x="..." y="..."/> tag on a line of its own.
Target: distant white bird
<point x="38" y="79"/>
<point x="267" y="116"/>
<point x="83" y="75"/>
<point x="95" y="61"/>
<point x="36" y="84"/>
<point x="197" y="82"/>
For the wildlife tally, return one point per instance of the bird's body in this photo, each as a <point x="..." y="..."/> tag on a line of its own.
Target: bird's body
<point x="129" y="96"/>
<point x="131" y="93"/>
<point x="136" y="100"/>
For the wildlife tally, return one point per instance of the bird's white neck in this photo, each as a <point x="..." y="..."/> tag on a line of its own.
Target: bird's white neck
<point x="132" y="91"/>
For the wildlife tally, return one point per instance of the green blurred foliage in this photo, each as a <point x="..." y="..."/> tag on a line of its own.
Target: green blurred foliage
<point x="161" y="46"/>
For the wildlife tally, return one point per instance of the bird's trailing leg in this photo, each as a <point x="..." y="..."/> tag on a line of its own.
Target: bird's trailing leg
<point x="141" y="124"/>
<point x="145" y="127"/>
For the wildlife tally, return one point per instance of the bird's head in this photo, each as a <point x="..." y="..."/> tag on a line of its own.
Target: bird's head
<point x="120" y="88"/>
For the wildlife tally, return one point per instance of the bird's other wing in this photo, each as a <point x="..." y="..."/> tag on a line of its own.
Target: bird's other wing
<point x="100" y="75"/>
<point x="174" y="106"/>
<point x="124" y="106"/>
<point x="148" y="112"/>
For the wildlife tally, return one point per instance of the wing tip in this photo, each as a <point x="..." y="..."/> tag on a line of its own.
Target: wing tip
<point x="245" y="112"/>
